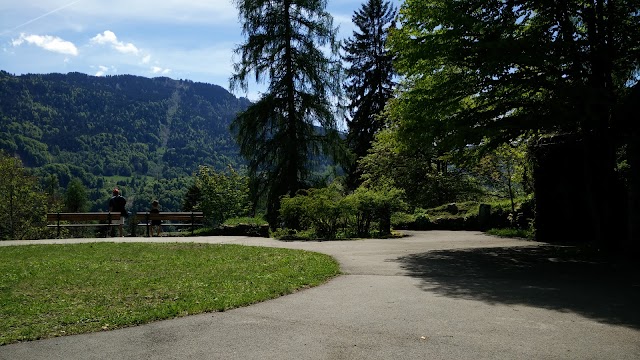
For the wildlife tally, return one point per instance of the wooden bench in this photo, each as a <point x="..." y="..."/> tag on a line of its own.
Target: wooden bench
<point x="189" y="218"/>
<point x="81" y="219"/>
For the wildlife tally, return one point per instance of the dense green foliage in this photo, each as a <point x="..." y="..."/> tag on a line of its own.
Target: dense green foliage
<point x="116" y="125"/>
<point x="467" y="216"/>
<point x="497" y="70"/>
<point x="428" y="178"/>
<point x="376" y="205"/>
<point x="219" y="195"/>
<point x="504" y="172"/>
<point x="512" y="233"/>
<point x="485" y="73"/>
<point x="24" y="204"/>
<point x="331" y="212"/>
<point x="369" y="83"/>
<point x="75" y="198"/>
<point x="55" y="290"/>
<point x="137" y="133"/>
<point x="278" y="134"/>
<point x="323" y="210"/>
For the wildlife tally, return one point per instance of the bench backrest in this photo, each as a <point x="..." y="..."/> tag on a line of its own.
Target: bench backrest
<point x="175" y="216"/>
<point x="98" y="216"/>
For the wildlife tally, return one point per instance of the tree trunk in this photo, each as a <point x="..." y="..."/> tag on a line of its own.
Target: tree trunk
<point x="511" y="195"/>
<point x="384" y="225"/>
<point x="601" y="191"/>
<point x="632" y="243"/>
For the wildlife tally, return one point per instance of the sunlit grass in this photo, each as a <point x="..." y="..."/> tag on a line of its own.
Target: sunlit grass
<point x="54" y="290"/>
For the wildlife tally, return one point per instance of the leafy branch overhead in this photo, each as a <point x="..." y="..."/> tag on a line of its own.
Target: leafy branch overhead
<point x="498" y="70"/>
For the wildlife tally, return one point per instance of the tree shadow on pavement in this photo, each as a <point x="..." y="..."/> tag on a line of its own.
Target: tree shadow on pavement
<point x="553" y="277"/>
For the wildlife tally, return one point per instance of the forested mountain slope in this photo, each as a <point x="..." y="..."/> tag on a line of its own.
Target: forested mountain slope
<point x="76" y="125"/>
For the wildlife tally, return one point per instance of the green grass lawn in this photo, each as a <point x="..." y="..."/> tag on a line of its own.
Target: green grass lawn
<point x="55" y="290"/>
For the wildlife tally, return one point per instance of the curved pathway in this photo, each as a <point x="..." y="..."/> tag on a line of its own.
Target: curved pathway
<point x="431" y="295"/>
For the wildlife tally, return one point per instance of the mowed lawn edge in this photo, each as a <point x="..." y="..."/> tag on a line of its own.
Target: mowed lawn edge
<point x="55" y="290"/>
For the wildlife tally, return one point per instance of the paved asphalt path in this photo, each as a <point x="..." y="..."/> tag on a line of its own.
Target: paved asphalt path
<point x="430" y="295"/>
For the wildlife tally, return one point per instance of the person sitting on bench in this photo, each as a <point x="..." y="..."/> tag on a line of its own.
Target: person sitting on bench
<point x="157" y="224"/>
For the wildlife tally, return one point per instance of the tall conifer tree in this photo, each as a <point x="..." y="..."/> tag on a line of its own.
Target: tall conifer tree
<point x="278" y="134"/>
<point x="370" y="77"/>
<point x="75" y="198"/>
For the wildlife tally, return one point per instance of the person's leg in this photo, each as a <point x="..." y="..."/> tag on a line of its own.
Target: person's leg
<point x="121" y="227"/>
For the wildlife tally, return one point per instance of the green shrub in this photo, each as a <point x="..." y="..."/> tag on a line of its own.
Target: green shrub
<point x="238" y="226"/>
<point x="244" y="230"/>
<point x="221" y="195"/>
<point x="422" y="222"/>
<point x="418" y="220"/>
<point x="512" y="233"/>
<point x="246" y="221"/>
<point x="441" y="218"/>
<point x="324" y="210"/>
<point x="376" y="205"/>
<point x="326" y="213"/>
<point x="402" y="220"/>
<point x="24" y="206"/>
<point x="292" y="234"/>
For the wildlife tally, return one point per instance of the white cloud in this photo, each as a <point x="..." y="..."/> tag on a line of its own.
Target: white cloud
<point x="102" y="70"/>
<point x="47" y="42"/>
<point x="109" y="38"/>
<point x="159" y="70"/>
<point x="126" y="48"/>
<point x="146" y="59"/>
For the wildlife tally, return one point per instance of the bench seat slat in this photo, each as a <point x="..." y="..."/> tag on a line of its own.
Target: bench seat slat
<point x="89" y="219"/>
<point x="190" y="219"/>
<point x="177" y="216"/>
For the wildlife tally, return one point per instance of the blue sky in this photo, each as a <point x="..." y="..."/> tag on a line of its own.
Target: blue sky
<point x="180" y="39"/>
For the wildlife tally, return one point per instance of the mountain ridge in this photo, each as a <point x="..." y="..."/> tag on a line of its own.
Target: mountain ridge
<point x="119" y="125"/>
<point x="146" y="136"/>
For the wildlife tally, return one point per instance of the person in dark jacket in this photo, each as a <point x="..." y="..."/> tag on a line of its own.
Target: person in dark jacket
<point x="157" y="224"/>
<point x="117" y="204"/>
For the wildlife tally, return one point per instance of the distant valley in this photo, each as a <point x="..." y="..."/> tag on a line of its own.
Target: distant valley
<point x="100" y="129"/>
